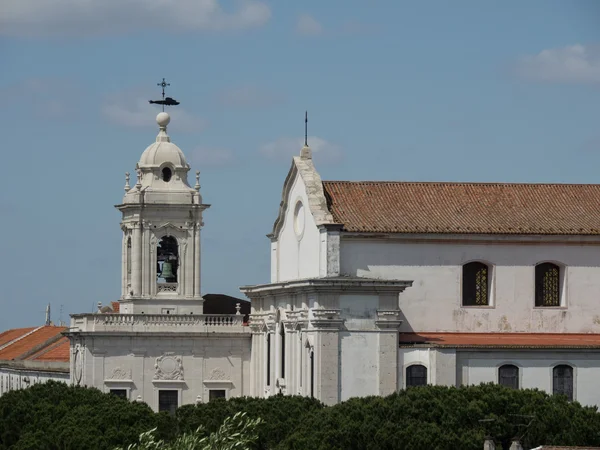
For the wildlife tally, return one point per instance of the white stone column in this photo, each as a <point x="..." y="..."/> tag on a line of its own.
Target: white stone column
<point x="136" y="261"/>
<point x="196" y="254"/>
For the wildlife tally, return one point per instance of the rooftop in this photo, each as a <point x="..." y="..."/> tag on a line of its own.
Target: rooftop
<point x="502" y="340"/>
<point x="464" y="208"/>
<point x="45" y="343"/>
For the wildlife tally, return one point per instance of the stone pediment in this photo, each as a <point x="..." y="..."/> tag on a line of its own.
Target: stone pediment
<point x="317" y="203"/>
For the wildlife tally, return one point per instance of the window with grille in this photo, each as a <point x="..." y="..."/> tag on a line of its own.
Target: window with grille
<point x="168" y="401"/>
<point x="216" y="393"/>
<point x="508" y="375"/>
<point x="562" y="381"/>
<point x="416" y="375"/>
<point x="547" y="285"/>
<point x="475" y="286"/>
<point x="119" y="392"/>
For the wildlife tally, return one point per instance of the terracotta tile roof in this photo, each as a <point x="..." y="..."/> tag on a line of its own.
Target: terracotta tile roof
<point x="11" y="335"/>
<point x="116" y="306"/>
<point x="21" y="347"/>
<point x="502" y="340"/>
<point x="465" y="208"/>
<point x="57" y="351"/>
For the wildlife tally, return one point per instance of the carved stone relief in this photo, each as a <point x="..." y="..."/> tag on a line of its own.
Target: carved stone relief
<point x="168" y="367"/>
<point x="217" y="374"/>
<point x="119" y="373"/>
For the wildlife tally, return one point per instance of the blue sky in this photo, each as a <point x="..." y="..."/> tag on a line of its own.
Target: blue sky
<point x="396" y="90"/>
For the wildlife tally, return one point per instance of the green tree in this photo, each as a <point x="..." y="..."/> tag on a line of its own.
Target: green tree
<point x="236" y="433"/>
<point x="280" y="415"/>
<point x="437" y="417"/>
<point x="56" y="416"/>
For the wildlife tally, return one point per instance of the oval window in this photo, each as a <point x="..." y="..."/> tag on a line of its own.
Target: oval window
<point x="299" y="218"/>
<point x="166" y="174"/>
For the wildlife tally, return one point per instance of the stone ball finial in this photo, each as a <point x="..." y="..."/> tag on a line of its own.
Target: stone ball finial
<point x="163" y="119"/>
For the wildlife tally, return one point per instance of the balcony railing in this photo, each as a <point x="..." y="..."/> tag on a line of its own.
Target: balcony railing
<point x="158" y="322"/>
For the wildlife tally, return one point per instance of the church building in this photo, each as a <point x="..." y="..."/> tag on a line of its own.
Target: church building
<point x="374" y="287"/>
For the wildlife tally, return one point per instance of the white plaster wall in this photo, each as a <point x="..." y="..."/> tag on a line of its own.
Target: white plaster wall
<point x="433" y="303"/>
<point x="535" y="370"/>
<point x="208" y="363"/>
<point x="358" y="364"/>
<point x="298" y="256"/>
<point x="13" y="378"/>
<point x="359" y="311"/>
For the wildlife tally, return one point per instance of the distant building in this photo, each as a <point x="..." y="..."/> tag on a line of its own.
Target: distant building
<point x="33" y="355"/>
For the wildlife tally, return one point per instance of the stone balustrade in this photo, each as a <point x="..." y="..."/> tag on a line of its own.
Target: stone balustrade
<point x="176" y="323"/>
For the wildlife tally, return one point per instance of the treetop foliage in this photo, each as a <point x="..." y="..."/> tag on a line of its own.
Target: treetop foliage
<point x="56" y="416"/>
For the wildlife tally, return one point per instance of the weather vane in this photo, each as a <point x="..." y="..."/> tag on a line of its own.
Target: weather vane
<point x="166" y="101"/>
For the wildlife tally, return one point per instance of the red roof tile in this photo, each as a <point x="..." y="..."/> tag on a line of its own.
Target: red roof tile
<point x="502" y="340"/>
<point x="11" y="335"/>
<point x="465" y="208"/>
<point x="116" y="306"/>
<point x="59" y="351"/>
<point x="19" y="348"/>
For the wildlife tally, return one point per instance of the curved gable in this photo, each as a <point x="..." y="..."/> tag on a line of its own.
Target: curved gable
<point x="317" y="202"/>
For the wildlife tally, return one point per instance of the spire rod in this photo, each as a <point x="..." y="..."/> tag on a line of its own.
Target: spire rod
<point x="306" y="128"/>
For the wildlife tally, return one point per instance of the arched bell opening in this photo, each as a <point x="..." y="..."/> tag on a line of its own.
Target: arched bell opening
<point x="167" y="260"/>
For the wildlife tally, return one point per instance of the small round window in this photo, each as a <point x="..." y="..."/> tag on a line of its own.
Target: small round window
<point x="166" y="174"/>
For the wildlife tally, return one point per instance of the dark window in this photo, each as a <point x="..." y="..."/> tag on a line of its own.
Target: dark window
<point x="562" y="381"/>
<point x="119" y="392"/>
<point x="216" y="393"/>
<point x="282" y="332"/>
<point x="508" y="375"/>
<point x="168" y="401"/>
<point x="475" y="284"/>
<point x="166" y="174"/>
<point x="312" y="374"/>
<point x="268" y="360"/>
<point x="416" y="375"/>
<point x="547" y="285"/>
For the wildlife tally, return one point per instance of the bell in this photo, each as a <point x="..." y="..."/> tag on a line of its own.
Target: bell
<point x="167" y="272"/>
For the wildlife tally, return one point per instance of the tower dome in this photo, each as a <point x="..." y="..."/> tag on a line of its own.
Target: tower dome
<point x="163" y="151"/>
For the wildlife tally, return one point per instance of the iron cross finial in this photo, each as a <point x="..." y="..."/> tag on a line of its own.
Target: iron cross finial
<point x="306" y="128"/>
<point x="163" y="84"/>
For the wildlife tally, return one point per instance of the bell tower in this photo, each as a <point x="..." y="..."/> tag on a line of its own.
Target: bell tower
<point x="161" y="223"/>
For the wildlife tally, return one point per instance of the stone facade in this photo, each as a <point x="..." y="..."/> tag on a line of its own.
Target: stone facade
<point x="338" y="293"/>
<point x="160" y="348"/>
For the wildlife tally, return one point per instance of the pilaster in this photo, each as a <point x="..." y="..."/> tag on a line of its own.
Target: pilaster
<point x="388" y="322"/>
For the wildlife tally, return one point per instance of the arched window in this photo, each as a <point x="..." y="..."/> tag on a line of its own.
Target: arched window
<point x="475" y="285"/>
<point x="547" y="285"/>
<point x="167" y="259"/>
<point x="416" y="375"/>
<point x="562" y="381"/>
<point x="128" y="258"/>
<point x="508" y="375"/>
<point x="166" y="174"/>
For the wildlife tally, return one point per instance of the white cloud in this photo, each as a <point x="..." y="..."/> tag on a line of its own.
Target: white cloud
<point x="248" y="97"/>
<point x="308" y="26"/>
<point x="135" y="111"/>
<point x="572" y="64"/>
<point x="212" y="157"/>
<point x="110" y="17"/>
<point x="283" y="149"/>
